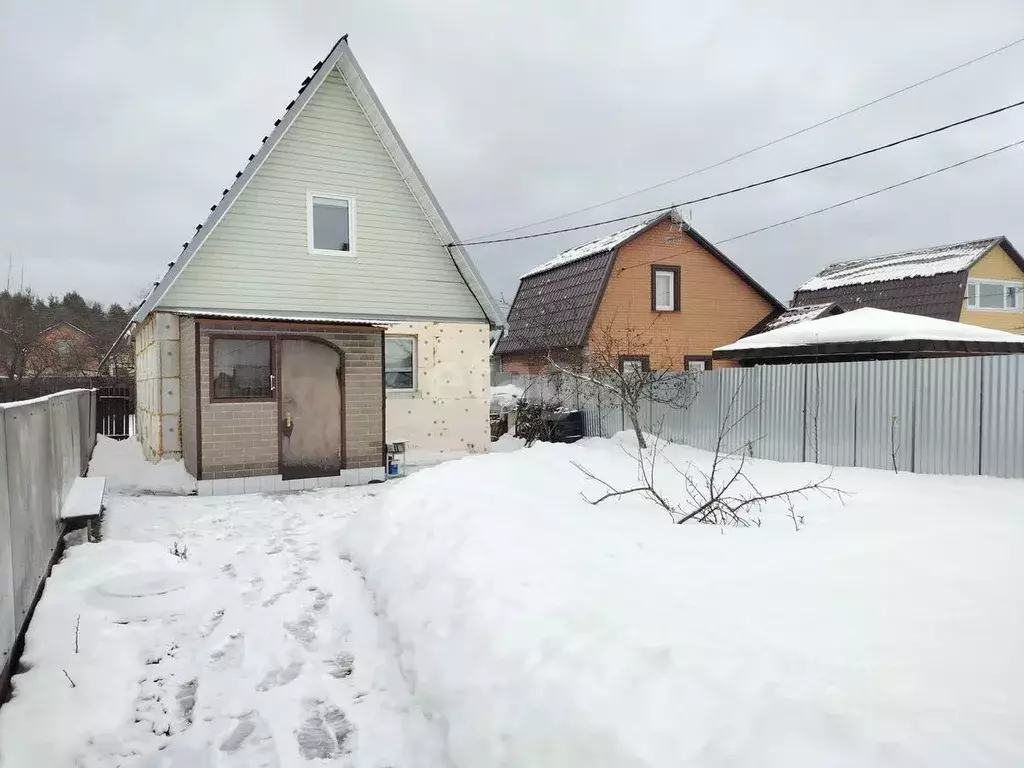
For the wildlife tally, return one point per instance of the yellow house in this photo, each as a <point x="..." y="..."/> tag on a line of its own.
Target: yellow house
<point x="980" y="282"/>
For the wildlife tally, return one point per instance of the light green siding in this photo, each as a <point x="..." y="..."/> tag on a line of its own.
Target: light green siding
<point x="257" y="258"/>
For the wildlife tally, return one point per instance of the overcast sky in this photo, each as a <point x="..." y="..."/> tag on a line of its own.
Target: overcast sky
<point x="124" y="121"/>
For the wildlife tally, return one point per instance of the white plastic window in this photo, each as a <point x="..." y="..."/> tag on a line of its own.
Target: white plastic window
<point x="995" y="295"/>
<point x="331" y="225"/>
<point x="664" y="290"/>
<point x="400" y="363"/>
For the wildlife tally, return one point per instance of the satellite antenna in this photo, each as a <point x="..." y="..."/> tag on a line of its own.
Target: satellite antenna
<point x="680" y="221"/>
<point x="682" y="218"/>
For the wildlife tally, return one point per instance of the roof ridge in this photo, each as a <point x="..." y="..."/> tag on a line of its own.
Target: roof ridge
<point x="613" y="239"/>
<point x="646" y="221"/>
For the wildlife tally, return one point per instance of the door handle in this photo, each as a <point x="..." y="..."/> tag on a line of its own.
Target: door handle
<point x="286" y="427"/>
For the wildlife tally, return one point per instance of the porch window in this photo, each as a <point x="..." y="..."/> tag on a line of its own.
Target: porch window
<point x="995" y="295"/>
<point x="400" y="363"/>
<point x="665" y="289"/>
<point x="331" y="224"/>
<point x="241" y="369"/>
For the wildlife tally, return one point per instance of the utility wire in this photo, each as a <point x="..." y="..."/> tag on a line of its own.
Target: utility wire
<point x="759" y="147"/>
<point x="870" y="194"/>
<point x="753" y="185"/>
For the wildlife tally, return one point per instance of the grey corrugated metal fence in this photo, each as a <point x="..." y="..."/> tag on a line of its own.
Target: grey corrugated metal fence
<point x="957" y="416"/>
<point x="44" y="445"/>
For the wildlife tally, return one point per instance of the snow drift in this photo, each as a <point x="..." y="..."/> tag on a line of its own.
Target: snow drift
<point x="544" y="631"/>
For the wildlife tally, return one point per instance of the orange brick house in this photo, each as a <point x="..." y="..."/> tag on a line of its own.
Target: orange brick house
<point x="658" y="290"/>
<point x="64" y="350"/>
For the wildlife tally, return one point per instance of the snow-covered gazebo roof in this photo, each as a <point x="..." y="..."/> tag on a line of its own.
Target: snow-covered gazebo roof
<point x="872" y="332"/>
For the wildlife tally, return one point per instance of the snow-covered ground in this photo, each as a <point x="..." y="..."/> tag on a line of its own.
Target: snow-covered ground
<point x="480" y="613"/>
<point x="259" y="647"/>
<point x="548" y="632"/>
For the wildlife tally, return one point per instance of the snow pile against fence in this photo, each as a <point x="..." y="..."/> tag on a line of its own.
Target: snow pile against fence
<point x="544" y="631"/>
<point x="505" y="397"/>
<point x="127" y="471"/>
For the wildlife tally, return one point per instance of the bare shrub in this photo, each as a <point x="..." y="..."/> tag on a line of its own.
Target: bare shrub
<point x="724" y="495"/>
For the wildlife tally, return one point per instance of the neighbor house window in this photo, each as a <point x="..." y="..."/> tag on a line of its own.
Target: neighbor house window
<point x="634" y="365"/>
<point x="697" y="363"/>
<point x="400" y="363"/>
<point x="995" y="294"/>
<point x="331" y="224"/>
<point x="241" y="369"/>
<point x="665" y="289"/>
<point x="63" y="350"/>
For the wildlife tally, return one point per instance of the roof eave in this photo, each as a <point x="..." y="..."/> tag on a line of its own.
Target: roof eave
<point x="414" y="179"/>
<point x="808" y="352"/>
<point x="713" y="249"/>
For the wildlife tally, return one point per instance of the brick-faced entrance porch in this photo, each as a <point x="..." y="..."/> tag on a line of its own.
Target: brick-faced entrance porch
<point x="235" y="425"/>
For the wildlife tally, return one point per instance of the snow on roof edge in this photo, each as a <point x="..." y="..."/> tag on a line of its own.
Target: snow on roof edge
<point x="901" y="265"/>
<point x="594" y="247"/>
<point x="870" y="325"/>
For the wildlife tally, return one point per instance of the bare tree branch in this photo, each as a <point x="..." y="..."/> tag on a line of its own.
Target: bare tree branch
<point x="725" y="495"/>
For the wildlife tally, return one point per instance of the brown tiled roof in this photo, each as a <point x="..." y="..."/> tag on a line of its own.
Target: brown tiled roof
<point x="552" y="309"/>
<point x="556" y="301"/>
<point x="928" y="281"/>
<point x="937" y="296"/>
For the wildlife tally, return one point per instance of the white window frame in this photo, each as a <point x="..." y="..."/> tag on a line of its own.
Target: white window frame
<point x="975" y="307"/>
<point x="670" y="307"/>
<point x="415" y="363"/>
<point x="351" y="203"/>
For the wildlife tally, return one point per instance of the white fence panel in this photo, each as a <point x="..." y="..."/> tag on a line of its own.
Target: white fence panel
<point x="1002" y="416"/>
<point x="44" y="446"/>
<point x="947" y="435"/>
<point x="782" y="412"/>
<point x="941" y="416"/>
<point x="885" y="413"/>
<point x="831" y="414"/>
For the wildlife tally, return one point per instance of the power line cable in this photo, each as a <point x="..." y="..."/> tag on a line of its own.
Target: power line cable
<point x="869" y="194"/>
<point x="752" y="185"/>
<point x="759" y="147"/>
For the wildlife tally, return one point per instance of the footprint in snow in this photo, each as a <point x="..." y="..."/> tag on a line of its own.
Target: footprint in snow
<point x="278" y="677"/>
<point x="254" y="587"/>
<point x="249" y="744"/>
<point x="211" y="624"/>
<point x="230" y="653"/>
<point x="341" y="665"/>
<point x="324" y="731"/>
<point x="186" y="698"/>
<point x="302" y="629"/>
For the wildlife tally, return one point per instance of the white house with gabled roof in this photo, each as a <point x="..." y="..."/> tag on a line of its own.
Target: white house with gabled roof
<point x="319" y="312"/>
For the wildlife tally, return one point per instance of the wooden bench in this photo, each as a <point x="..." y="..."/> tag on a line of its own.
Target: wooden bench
<point x="84" y="504"/>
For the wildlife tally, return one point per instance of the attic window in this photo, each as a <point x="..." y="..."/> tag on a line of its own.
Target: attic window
<point x="331" y="224"/>
<point x="665" y="289"/>
<point x="995" y="295"/>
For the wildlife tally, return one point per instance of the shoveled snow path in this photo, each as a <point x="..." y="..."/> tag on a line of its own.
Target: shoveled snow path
<point x="260" y="648"/>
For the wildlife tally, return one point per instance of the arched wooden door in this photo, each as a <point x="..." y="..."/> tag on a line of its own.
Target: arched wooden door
<point x="310" y="413"/>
